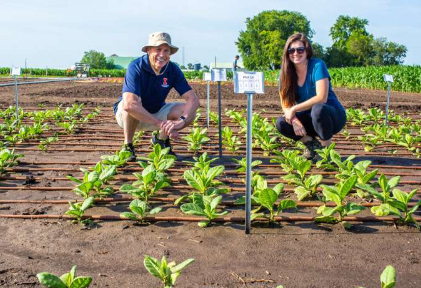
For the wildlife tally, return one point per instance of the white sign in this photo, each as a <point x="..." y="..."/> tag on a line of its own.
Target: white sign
<point x="219" y="75"/>
<point x="388" y="78"/>
<point x="207" y="76"/>
<point x="249" y="82"/>
<point x="15" y="71"/>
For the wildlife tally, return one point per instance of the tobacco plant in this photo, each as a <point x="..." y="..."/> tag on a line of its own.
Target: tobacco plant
<point x="387" y="202"/>
<point x="242" y="164"/>
<point x="337" y="194"/>
<point x="267" y="198"/>
<point x="146" y="185"/>
<point x="118" y="159"/>
<point x="44" y="143"/>
<point x="401" y="203"/>
<point x="214" y="117"/>
<point x="204" y="205"/>
<point x="8" y="159"/>
<point x="159" y="159"/>
<point x="196" y="139"/>
<point x="229" y="140"/>
<point x="78" y="210"/>
<point x="287" y="158"/>
<point x="93" y="182"/>
<point x="325" y="161"/>
<point x="68" y="280"/>
<point x="388" y="277"/>
<point x="166" y="272"/>
<point x="140" y="209"/>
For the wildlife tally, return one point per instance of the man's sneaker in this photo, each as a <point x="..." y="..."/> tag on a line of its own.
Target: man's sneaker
<point x="311" y="147"/>
<point x="163" y="143"/>
<point x="130" y="148"/>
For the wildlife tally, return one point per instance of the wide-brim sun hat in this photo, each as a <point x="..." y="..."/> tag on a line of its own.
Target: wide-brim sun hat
<point x="158" y="38"/>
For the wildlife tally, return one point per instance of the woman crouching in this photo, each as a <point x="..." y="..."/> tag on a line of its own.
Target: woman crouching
<point x="311" y="108"/>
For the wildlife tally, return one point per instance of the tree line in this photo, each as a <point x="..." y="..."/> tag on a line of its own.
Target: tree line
<point x="261" y="44"/>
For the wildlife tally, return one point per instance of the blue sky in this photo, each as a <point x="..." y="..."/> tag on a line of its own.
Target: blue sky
<point x="55" y="34"/>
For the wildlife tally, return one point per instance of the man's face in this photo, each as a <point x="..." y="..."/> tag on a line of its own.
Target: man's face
<point x="159" y="56"/>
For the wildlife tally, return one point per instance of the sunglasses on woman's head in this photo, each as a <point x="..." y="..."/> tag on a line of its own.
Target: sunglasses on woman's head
<point x="300" y="50"/>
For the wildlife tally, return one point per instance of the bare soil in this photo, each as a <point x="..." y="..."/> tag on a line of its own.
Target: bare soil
<point x="293" y="254"/>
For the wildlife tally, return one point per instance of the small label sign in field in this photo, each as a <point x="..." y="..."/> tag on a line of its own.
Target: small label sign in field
<point x="15" y="71"/>
<point x="249" y="82"/>
<point x="207" y="76"/>
<point x="219" y="75"/>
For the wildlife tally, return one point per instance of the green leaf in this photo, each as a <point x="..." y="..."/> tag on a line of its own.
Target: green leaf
<point x="203" y="224"/>
<point x="154" y="267"/>
<point x="286" y="204"/>
<point x="81" y="282"/>
<point x="278" y="188"/>
<point x="155" y="210"/>
<point x="347" y="186"/>
<point x="50" y="280"/>
<point x="87" y="203"/>
<point x="302" y="193"/>
<point x="388" y="277"/>
<point x="128" y="215"/>
<point x="182" y="265"/>
<point x="400" y="196"/>
<point x="192" y="209"/>
<point x="326" y="219"/>
<point x="267" y="198"/>
<point x="215" y="202"/>
<point x="394" y="182"/>
<point x="382" y="210"/>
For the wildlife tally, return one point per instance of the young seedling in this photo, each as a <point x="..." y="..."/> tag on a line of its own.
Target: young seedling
<point x="166" y="272"/>
<point x="385" y="198"/>
<point x="307" y="187"/>
<point x="267" y="198"/>
<point x="287" y="158"/>
<point x="93" y="182"/>
<point x="325" y="161"/>
<point x="242" y="164"/>
<point x="230" y="141"/>
<point x="146" y="185"/>
<point x="401" y="203"/>
<point x="337" y="194"/>
<point x="204" y="206"/>
<point x="68" y="280"/>
<point x="78" y="210"/>
<point x="160" y="160"/>
<point x="8" y="159"/>
<point x="214" y="117"/>
<point x="140" y="209"/>
<point x="196" y="139"/>
<point x="387" y="278"/>
<point x="118" y="159"/>
<point x="44" y="143"/>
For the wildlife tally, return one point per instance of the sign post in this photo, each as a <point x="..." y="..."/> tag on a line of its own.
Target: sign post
<point x="207" y="77"/>
<point x="249" y="83"/>
<point x="389" y="79"/>
<point x="15" y="71"/>
<point x="219" y="75"/>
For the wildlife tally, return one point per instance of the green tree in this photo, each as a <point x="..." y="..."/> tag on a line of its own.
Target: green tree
<point x="97" y="60"/>
<point x="344" y="27"/>
<point x="361" y="48"/>
<point x="318" y="51"/>
<point x="387" y="53"/>
<point x="262" y="43"/>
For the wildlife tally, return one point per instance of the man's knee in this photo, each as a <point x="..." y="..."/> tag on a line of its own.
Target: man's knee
<point x="176" y="111"/>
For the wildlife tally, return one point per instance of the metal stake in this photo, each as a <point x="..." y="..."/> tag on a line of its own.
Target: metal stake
<point x="16" y="98"/>
<point x="248" y="159"/>
<point x="207" y="106"/>
<point x="389" y="84"/>
<point x="219" y="118"/>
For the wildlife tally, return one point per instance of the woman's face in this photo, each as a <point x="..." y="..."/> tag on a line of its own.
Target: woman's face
<point x="297" y="53"/>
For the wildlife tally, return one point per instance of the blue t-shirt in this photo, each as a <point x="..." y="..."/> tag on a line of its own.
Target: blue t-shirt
<point x="316" y="70"/>
<point x="153" y="89"/>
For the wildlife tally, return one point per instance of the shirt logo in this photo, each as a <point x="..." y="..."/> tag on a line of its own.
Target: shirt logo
<point x="164" y="83"/>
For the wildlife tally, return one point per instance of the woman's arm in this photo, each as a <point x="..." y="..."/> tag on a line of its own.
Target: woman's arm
<point x="322" y="90"/>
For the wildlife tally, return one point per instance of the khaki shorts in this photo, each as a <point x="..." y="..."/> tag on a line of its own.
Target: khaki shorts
<point x="162" y="115"/>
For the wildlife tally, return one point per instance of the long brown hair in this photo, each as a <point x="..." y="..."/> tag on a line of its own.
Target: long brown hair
<point x="288" y="88"/>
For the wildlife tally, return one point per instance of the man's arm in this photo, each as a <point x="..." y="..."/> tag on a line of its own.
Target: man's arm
<point x="132" y="104"/>
<point x="192" y="103"/>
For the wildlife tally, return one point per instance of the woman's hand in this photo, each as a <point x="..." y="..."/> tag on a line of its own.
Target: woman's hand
<point x="290" y="115"/>
<point x="299" y="129"/>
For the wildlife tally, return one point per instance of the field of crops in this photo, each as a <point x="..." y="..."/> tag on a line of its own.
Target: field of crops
<point x="69" y="197"/>
<point x="406" y="78"/>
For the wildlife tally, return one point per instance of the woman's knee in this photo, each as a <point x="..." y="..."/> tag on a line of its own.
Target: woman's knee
<point x="318" y="110"/>
<point x="281" y="124"/>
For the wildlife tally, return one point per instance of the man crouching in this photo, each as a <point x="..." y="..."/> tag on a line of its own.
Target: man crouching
<point x="147" y="83"/>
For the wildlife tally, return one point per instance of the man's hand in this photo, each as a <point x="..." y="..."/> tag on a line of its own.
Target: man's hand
<point x="169" y="126"/>
<point x="299" y="129"/>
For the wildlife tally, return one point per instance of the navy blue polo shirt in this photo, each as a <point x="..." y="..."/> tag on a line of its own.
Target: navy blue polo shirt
<point x="153" y="89"/>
